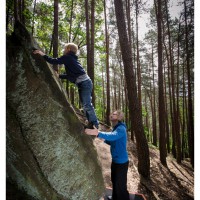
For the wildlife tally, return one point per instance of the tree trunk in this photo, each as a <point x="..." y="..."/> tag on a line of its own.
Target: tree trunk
<point x="70" y="22"/>
<point x="103" y="95"/>
<point x="107" y="68"/>
<point x="8" y="13"/>
<point x="138" y="59"/>
<point x="23" y="10"/>
<point x="177" y="102"/>
<point x="154" y="104"/>
<point x="134" y="107"/>
<point x="55" y="33"/>
<point x="126" y="103"/>
<point x="33" y="18"/>
<point x="92" y="48"/>
<point x="166" y="114"/>
<point x="190" y="102"/>
<point x="90" y="43"/>
<point x="175" y="117"/>
<point x="162" y="139"/>
<point x="114" y="90"/>
<point x="20" y="10"/>
<point x="147" y="117"/>
<point x="184" y="142"/>
<point x="171" y="121"/>
<point x="88" y="36"/>
<point x="16" y="10"/>
<point x="128" y="14"/>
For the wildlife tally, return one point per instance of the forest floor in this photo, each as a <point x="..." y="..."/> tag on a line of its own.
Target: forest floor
<point x="176" y="181"/>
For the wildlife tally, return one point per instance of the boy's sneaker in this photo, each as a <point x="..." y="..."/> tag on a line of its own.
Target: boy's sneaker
<point x="89" y="125"/>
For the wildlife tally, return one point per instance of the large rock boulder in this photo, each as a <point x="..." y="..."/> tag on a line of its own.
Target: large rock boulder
<point x="48" y="155"/>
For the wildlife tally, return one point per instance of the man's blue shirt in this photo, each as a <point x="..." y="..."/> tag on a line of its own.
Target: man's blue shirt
<point x="117" y="139"/>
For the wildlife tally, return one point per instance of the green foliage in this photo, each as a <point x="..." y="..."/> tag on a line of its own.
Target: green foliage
<point x="144" y="112"/>
<point x="146" y="131"/>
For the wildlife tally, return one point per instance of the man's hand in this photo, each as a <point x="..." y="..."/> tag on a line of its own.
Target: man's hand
<point x="39" y="52"/>
<point x="92" y="131"/>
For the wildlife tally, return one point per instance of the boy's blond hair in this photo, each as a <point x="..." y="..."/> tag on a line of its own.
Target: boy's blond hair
<point x="73" y="47"/>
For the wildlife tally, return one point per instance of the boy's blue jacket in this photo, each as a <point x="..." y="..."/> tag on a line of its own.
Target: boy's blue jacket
<point x="72" y="66"/>
<point x="117" y="139"/>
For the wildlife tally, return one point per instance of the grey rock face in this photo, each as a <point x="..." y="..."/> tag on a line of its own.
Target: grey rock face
<point x="48" y="155"/>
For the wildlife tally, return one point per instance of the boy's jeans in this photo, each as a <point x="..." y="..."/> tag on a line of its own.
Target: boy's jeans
<point x="85" y="92"/>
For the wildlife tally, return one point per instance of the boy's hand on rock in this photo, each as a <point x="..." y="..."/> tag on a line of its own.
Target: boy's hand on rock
<point x="57" y="74"/>
<point x="38" y="52"/>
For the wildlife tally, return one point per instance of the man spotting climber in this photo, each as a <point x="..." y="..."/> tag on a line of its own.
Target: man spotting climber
<point x="77" y="75"/>
<point x="117" y="139"/>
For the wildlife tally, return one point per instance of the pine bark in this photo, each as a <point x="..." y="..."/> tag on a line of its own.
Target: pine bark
<point x="91" y="73"/>
<point x="162" y="139"/>
<point x="55" y="33"/>
<point x="107" y="68"/>
<point x="138" y="59"/>
<point x="190" y="102"/>
<point x="134" y="108"/>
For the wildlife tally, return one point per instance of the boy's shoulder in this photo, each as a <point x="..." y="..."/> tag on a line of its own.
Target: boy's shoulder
<point x="67" y="57"/>
<point x="72" y="55"/>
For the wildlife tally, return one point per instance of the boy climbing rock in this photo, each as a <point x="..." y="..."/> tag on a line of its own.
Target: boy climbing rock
<point x="77" y="75"/>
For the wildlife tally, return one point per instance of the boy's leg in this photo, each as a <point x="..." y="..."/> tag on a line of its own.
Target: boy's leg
<point x="85" y="91"/>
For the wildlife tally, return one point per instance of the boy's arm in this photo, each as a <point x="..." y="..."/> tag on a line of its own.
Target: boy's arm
<point x="54" y="61"/>
<point x="66" y="76"/>
<point x="63" y="76"/>
<point x="50" y="60"/>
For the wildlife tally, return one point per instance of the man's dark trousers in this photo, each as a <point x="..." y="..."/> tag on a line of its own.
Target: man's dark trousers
<point x="119" y="181"/>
